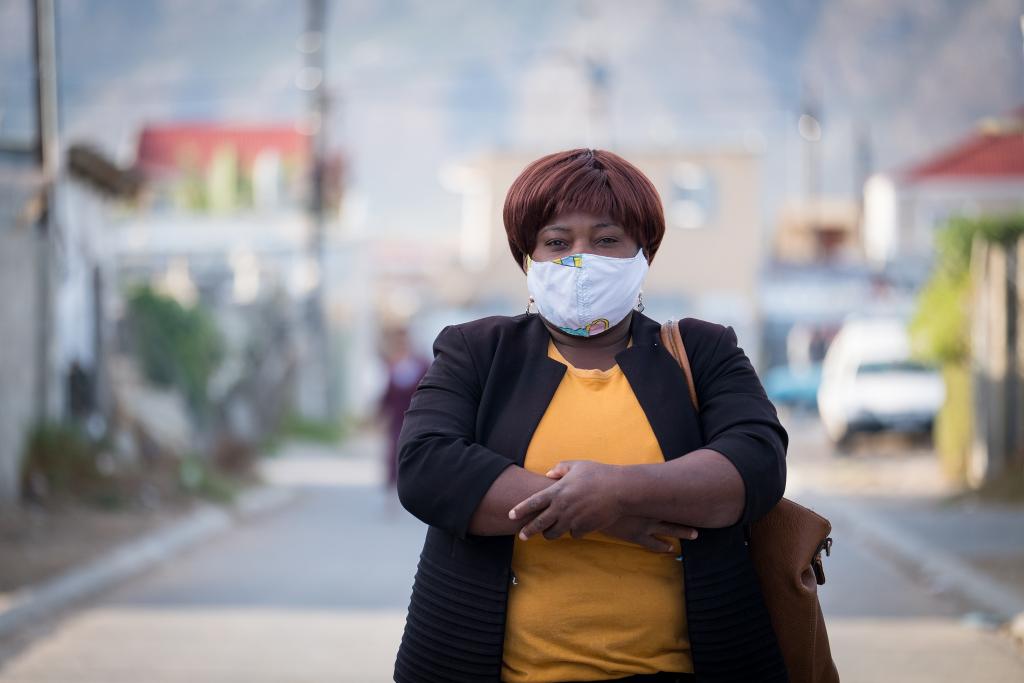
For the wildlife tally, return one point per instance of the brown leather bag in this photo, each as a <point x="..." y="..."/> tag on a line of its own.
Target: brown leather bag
<point x="786" y="546"/>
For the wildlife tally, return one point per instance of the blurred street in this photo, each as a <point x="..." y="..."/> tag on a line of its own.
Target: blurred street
<point x="317" y="591"/>
<point x="229" y="240"/>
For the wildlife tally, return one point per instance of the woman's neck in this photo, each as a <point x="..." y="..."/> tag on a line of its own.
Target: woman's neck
<point x="592" y="352"/>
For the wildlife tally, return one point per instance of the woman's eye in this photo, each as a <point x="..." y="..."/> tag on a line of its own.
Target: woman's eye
<point x="554" y="243"/>
<point x="607" y="240"/>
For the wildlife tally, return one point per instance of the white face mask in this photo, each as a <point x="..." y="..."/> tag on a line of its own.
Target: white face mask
<point x="585" y="294"/>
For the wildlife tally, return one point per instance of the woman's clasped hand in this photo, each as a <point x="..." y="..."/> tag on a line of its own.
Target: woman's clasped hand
<point x="592" y="496"/>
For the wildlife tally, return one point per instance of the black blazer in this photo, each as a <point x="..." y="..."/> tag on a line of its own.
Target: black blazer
<point x="474" y="414"/>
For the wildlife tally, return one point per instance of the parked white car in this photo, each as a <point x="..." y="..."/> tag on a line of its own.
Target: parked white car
<point x="870" y="383"/>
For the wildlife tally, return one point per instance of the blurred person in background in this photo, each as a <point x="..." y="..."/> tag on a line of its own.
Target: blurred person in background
<point x="568" y="538"/>
<point x="404" y="371"/>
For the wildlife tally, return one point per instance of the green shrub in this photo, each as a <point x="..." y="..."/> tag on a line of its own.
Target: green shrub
<point x="175" y="346"/>
<point x="61" y="464"/>
<point x="196" y="476"/>
<point x="942" y="320"/>
<point x="953" y="423"/>
<point x="59" y="461"/>
<point x="304" y="429"/>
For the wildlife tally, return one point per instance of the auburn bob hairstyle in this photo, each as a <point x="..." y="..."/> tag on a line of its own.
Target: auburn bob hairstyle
<point x="592" y="181"/>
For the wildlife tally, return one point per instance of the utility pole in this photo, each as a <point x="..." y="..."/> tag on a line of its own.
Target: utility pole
<point x="313" y="80"/>
<point x="809" y="127"/>
<point x="594" y="65"/>
<point x="599" y="129"/>
<point x="863" y="159"/>
<point x="48" y="158"/>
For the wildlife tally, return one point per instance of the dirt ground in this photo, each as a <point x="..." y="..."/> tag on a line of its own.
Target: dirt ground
<point x="37" y="543"/>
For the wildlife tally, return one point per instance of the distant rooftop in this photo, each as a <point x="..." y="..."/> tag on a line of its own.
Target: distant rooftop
<point x="168" y="146"/>
<point x="994" y="151"/>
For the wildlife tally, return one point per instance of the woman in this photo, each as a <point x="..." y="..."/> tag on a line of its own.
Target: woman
<point x="569" y="539"/>
<point x="405" y="370"/>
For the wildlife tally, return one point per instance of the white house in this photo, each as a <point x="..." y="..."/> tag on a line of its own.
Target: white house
<point x="981" y="174"/>
<point x="67" y="312"/>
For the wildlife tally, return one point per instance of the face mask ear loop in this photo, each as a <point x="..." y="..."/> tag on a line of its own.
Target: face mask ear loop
<point x="526" y="268"/>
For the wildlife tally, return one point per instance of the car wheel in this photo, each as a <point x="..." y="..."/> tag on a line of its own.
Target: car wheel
<point x="844" y="444"/>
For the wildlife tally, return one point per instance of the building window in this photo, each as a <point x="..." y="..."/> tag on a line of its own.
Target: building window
<point x="692" y="197"/>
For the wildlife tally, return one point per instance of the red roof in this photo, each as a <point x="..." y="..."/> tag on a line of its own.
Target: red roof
<point x="168" y="146"/>
<point x="996" y="151"/>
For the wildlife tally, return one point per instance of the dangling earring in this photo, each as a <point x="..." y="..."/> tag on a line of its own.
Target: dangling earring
<point x="640" y="302"/>
<point x="528" y="304"/>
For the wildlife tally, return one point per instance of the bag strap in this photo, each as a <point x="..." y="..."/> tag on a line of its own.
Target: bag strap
<point x="673" y="341"/>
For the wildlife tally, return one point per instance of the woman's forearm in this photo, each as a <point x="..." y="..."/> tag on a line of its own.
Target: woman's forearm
<point x="702" y="489"/>
<point x="513" y="485"/>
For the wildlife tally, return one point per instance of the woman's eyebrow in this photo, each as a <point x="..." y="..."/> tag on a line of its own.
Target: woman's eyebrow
<point x="563" y="228"/>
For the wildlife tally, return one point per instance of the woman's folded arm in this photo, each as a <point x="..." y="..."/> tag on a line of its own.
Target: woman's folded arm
<point x="442" y="473"/>
<point x="740" y="422"/>
<point x="740" y="474"/>
<point x="444" y="477"/>
<point x="513" y="485"/>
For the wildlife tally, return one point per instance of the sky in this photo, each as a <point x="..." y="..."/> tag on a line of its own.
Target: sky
<point x="422" y="83"/>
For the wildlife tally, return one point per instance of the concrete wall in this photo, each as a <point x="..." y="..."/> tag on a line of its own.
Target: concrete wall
<point x="997" y="361"/>
<point x="18" y="316"/>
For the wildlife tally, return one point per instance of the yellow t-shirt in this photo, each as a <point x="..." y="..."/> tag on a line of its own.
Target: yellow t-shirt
<point x="597" y="608"/>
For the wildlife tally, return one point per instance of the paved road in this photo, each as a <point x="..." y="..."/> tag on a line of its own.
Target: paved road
<point x="316" y="592"/>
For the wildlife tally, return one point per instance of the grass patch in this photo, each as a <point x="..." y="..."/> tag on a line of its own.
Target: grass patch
<point x="198" y="477"/>
<point x="298" y="428"/>
<point x="60" y="461"/>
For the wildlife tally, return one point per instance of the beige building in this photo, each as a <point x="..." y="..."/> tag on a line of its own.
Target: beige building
<point x="19" y="188"/>
<point x="823" y="230"/>
<point x="708" y="263"/>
